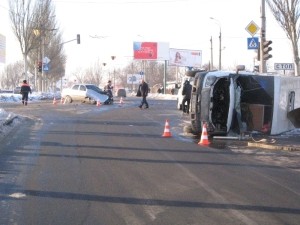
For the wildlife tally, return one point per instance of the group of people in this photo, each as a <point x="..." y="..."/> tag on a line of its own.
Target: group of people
<point x="142" y="92"/>
<point x="186" y="92"/>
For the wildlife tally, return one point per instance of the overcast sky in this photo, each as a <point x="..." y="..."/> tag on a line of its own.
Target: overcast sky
<point x="184" y="24"/>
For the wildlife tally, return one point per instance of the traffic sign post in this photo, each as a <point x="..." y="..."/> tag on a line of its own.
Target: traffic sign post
<point x="252" y="28"/>
<point x="253" y="43"/>
<point x="284" y="66"/>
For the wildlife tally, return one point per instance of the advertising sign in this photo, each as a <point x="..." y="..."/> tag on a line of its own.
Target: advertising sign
<point x="184" y="57"/>
<point x="145" y="50"/>
<point x="150" y="51"/>
<point x="134" y="78"/>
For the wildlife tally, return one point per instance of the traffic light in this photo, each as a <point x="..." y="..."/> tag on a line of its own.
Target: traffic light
<point x="266" y="50"/>
<point x="78" y="38"/>
<point x="40" y="66"/>
<point x="258" y="52"/>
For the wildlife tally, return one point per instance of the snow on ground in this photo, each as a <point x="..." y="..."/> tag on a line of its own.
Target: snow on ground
<point x="8" y="119"/>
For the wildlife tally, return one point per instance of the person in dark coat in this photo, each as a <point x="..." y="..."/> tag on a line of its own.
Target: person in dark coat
<point x="187" y="93"/>
<point x="109" y="89"/>
<point x="25" y="90"/>
<point x="144" y="89"/>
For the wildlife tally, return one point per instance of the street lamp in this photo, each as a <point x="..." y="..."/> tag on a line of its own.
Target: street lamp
<point x="113" y="58"/>
<point x="220" y="41"/>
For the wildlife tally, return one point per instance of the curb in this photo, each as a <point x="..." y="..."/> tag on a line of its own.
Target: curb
<point x="275" y="147"/>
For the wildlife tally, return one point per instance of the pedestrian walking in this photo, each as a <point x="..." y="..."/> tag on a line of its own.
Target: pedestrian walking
<point x="144" y="89"/>
<point x="187" y="93"/>
<point x="25" y="90"/>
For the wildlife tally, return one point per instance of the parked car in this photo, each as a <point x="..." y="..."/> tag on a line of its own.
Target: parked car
<point x="85" y="93"/>
<point x="121" y="92"/>
<point x="17" y="90"/>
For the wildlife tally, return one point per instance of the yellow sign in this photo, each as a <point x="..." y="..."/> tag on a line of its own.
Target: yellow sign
<point x="252" y="28"/>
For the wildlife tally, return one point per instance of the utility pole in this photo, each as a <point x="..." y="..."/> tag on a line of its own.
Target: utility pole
<point x="211" y="54"/>
<point x="262" y="67"/>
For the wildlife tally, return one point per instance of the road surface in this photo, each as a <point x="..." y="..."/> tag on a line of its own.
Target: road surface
<point x="83" y="164"/>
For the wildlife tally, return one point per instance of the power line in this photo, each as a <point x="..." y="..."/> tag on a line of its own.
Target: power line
<point x="120" y="2"/>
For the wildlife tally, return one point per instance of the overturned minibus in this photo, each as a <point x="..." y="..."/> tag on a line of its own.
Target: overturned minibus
<point x="243" y="102"/>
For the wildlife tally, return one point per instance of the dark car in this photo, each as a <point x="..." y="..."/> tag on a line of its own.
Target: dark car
<point x="121" y="92"/>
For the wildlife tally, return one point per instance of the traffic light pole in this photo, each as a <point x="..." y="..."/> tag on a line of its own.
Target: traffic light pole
<point x="262" y="67"/>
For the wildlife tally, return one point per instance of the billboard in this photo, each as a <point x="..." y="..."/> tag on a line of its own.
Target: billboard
<point x="2" y="48"/>
<point x="184" y="57"/>
<point x="150" y="51"/>
<point x="134" y="78"/>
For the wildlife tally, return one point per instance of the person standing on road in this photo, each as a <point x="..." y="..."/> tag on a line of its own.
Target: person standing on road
<point x="144" y="89"/>
<point x="187" y="93"/>
<point x="25" y="90"/>
<point x="109" y="88"/>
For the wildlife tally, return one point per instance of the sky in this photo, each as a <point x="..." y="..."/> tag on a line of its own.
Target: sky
<point x="109" y="27"/>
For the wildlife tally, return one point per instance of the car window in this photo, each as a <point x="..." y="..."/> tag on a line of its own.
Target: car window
<point x="82" y="88"/>
<point x="94" y="88"/>
<point x="75" y="87"/>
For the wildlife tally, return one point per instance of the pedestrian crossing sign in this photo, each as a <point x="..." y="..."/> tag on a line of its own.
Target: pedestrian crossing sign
<point x="252" y="43"/>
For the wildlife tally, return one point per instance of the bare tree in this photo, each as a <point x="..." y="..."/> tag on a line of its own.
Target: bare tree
<point x="22" y="17"/>
<point x="12" y="75"/>
<point x="287" y="13"/>
<point x="34" y="25"/>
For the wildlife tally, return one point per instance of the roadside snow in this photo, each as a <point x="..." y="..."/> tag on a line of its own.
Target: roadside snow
<point x="9" y="120"/>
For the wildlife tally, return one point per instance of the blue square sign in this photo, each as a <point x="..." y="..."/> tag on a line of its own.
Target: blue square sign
<point x="252" y="43"/>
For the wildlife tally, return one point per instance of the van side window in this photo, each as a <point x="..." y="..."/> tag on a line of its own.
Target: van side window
<point x="291" y="101"/>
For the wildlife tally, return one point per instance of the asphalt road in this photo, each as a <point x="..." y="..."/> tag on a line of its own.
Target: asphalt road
<point x="83" y="164"/>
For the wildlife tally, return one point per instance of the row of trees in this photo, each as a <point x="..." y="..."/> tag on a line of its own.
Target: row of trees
<point x="34" y="25"/>
<point x="36" y="29"/>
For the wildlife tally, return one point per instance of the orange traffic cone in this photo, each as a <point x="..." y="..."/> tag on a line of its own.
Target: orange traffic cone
<point x="61" y="100"/>
<point x="54" y="101"/>
<point x="204" y="138"/>
<point x="98" y="103"/>
<point x="167" y="132"/>
<point x="121" y="100"/>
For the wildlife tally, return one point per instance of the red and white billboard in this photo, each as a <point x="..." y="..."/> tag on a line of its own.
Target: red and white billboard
<point x="150" y="51"/>
<point x="184" y="57"/>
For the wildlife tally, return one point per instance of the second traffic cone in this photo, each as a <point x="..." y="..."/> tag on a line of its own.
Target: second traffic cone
<point x="61" y="100"/>
<point x="204" y="137"/>
<point x="167" y="132"/>
<point x="54" y="101"/>
<point x="98" y="103"/>
<point x="121" y="100"/>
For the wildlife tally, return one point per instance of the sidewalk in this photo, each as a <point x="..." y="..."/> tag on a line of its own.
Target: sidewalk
<point x="284" y="142"/>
